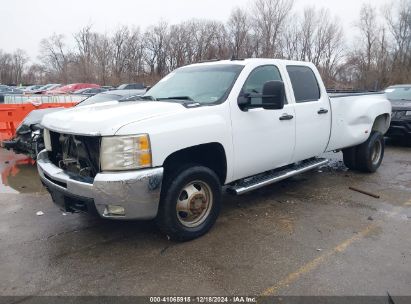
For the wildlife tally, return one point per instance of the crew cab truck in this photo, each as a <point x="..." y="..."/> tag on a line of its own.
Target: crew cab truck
<point x="241" y="124"/>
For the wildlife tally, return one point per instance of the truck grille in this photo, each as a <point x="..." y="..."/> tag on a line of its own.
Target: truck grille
<point x="75" y="154"/>
<point x="398" y="114"/>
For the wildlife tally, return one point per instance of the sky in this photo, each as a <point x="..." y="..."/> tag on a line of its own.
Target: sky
<point x="25" y="22"/>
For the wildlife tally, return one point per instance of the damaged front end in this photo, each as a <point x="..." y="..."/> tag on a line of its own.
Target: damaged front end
<point x="70" y="170"/>
<point x="28" y="140"/>
<point x="77" y="155"/>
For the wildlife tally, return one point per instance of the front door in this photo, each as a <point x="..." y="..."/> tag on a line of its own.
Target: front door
<point x="262" y="139"/>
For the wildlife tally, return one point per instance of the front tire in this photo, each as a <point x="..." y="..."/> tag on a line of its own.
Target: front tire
<point x="190" y="203"/>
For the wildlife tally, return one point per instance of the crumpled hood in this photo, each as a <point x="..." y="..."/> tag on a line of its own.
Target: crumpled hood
<point x="35" y="116"/>
<point x="106" y="118"/>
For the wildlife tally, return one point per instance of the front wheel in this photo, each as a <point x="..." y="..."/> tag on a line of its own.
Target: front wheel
<point x="190" y="203"/>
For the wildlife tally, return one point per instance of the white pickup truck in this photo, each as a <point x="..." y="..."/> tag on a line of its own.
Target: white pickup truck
<point x="242" y="124"/>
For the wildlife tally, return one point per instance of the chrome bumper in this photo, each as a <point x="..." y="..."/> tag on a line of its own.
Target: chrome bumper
<point x="138" y="192"/>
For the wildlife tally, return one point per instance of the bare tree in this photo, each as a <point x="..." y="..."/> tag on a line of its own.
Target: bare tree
<point x="379" y="56"/>
<point x="102" y="54"/>
<point x="56" y="57"/>
<point x="135" y="51"/>
<point x="156" y="39"/>
<point x="6" y="63"/>
<point x="180" y="46"/>
<point x="119" y="53"/>
<point x="19" y="61"/>
<point x="238" y="28"/>
<point x="398" y="17"/>
<point x="268" y="23"/>
<point x="84" y="57"/>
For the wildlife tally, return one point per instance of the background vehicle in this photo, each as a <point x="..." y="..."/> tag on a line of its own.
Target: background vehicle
<point x="89" y="91"/>
<point x="243" y="124"/>
<point x="32" y="88"/>
<point x="400" y="97"/>
<point x="71" y="88"/>
<point x="47" y="87"/>
<point x="131" y="86"/>
<point x="6" y="90"/>
<point x="29" y="134"/>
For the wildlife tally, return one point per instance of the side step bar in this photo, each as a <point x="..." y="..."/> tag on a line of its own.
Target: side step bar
<point x="270" y="177"/>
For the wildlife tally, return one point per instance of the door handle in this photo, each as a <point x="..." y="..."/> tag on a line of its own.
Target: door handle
<point x="322" y="111"/>
<point x="286" y="117"/>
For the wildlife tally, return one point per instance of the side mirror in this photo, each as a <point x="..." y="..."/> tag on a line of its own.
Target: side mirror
<point x="244" y="101"/>
<point x="272" y="98"/>
<point x="273" y="95"/>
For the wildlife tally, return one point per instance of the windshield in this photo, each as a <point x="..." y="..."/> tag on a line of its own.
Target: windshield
<point x="401" y="93"/>
<point x="99" y="98"/>
<point x="205" y="84"/>
<point x="122" y="87"/>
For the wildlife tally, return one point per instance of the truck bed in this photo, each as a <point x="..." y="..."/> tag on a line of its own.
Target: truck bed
<point x="348" y="128"/>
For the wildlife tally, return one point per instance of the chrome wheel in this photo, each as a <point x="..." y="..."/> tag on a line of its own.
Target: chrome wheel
<point x="376" y="153"/>
<point x="194" y="204"/>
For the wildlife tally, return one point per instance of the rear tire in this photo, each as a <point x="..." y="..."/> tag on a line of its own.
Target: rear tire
<point x="349" y="157"/>
<point x="190" y="203"/>
<point x="370" y="153"/>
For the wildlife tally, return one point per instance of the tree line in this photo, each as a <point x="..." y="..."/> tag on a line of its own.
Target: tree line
<point x="379" y="55"/>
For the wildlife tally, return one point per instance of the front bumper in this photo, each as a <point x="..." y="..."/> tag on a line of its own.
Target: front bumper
<point x="9" y="144"/>
<point x="138" y="192"/>
<point x="400" y="128"/>
<point x="21" y="144"/>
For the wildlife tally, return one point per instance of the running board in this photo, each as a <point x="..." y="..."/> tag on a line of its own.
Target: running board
<point x="270" y="177"/>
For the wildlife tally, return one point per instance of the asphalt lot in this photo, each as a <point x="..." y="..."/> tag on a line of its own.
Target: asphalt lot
<point x="309" y="235"/>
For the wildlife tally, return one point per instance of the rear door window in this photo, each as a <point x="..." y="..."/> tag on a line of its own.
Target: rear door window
<point x="304" y="82"/>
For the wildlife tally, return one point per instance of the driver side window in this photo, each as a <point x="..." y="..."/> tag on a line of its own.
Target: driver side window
<point x="256" y="80"/>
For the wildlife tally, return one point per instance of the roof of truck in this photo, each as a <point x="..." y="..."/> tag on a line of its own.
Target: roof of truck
<point x="252" y="60"/>
<point x="400" y="86"/>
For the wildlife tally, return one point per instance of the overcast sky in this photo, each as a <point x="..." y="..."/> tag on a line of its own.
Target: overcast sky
<point x="25" y="22"/>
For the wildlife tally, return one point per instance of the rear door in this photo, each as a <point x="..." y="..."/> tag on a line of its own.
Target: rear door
<point x="312" y="112"/>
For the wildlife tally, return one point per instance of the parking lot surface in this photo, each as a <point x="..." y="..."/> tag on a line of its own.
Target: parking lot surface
<point x="309" y="235"/>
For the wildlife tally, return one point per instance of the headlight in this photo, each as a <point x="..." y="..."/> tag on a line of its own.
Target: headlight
<point x="398" y="114"/>
<point x="47" y="141"/>
<point x="36" y="127"/>
<point x="408" y="113"/>
<point x="125" y="153"/>
<point x="23" y="129"/>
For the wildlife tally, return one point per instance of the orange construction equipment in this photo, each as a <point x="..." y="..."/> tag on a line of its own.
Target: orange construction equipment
<point x="11" y="115"/>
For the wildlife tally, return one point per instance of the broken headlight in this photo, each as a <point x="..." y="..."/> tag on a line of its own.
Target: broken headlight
<point x="23" y="129"/>
<point x="125" y="153"/>
<point x="47" y="140"/>
<point x="36" y="127"/>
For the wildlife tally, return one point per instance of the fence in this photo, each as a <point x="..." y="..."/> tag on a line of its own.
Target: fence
<point x="41" y="99"/>
<point x="16" y="108"/>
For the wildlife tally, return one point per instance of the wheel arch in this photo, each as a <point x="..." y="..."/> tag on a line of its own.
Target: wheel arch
<point x="211" y="155"/>
<point x="381" y="123"/>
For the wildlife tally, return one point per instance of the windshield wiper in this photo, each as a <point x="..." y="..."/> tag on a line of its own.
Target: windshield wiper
<point x="147" y="97"/>
<point x="137" y="98"/>
<point x="177" y="98"/>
